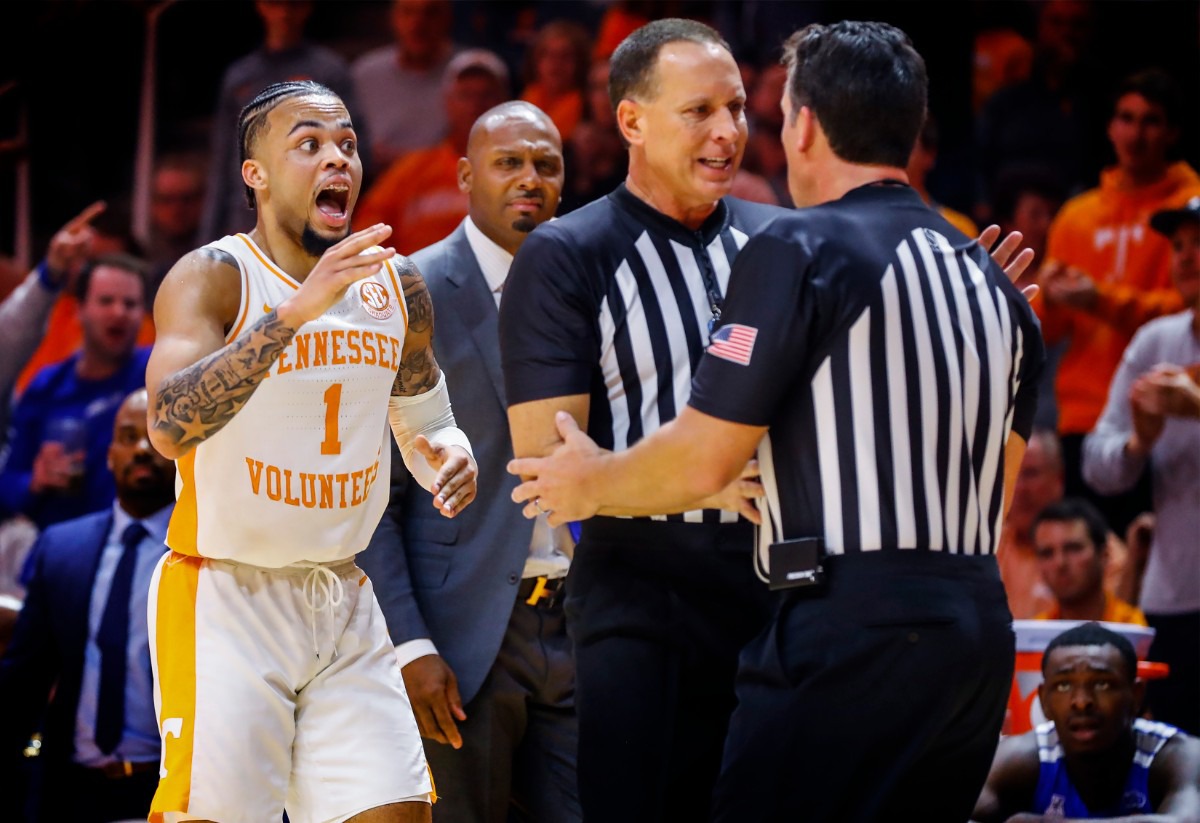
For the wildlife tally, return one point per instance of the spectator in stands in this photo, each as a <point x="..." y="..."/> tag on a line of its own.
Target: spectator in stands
<point x="283" y="55"/>
<point x="921" y="163"/>
<point x="556" y="73"/>
<point x="1039" y="484"/>
<point x="55" y="466"/>
<point x="81" y="644"/>
<point x="418" y="195"/>
<point x="176" y="205"/>
<point x="400" y="86"/>
<point x="105" y="231"/>
<point x="25" y="313"/>
<point x="1148" y="420"/>
<point x="24" y="318"/>
<point x="1107" y="272"/>
<point x="1070" y="539"/>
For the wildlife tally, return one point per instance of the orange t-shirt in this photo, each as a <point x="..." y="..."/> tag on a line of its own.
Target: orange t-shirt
<point x="418" y="196"/>
<point x="1115" y="611"/>
<point x="1106" y="233"/>
<point x="64" y="336"/>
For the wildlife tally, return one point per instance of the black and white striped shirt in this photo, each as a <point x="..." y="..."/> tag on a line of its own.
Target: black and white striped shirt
<point x="614" y="300"/>
<point x="890" y="359"/>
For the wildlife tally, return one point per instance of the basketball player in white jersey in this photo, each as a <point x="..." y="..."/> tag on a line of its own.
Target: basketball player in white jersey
<point x="282" y="356"/>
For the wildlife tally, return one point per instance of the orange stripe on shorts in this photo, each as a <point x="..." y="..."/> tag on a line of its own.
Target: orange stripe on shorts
<point x="175" y="648"/>
<point x="181" y="533"/>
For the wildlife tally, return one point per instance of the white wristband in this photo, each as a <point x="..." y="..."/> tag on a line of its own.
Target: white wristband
<point x="428" y="414"/>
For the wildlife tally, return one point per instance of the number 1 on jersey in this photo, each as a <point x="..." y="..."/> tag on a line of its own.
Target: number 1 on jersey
<point x="333" y="403"/>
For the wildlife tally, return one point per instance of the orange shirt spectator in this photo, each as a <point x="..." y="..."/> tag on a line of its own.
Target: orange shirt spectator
<point x="1107" y="271"/>
<point x="1105" y="233"/>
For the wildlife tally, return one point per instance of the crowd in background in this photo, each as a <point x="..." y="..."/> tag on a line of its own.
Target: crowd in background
<point x="1031" y="131"/>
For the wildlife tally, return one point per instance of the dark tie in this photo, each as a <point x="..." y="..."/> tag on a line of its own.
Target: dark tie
<point x="113" y="640"/>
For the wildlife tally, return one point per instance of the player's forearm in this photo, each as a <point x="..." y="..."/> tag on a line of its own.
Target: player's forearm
<point x="196" y="402"/>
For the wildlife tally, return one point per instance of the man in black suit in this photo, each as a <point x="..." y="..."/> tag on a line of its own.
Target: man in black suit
<point x="82" y="637"/>
<point x="473" y="604"/>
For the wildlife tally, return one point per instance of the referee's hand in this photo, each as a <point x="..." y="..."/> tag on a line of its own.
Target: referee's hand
<point x="1014" y="267"/>
<point x="741" y="495"/>
<point x="560" y="485"/>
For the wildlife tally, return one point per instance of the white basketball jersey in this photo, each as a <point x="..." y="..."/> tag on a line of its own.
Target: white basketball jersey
<point x="301" y="471"/>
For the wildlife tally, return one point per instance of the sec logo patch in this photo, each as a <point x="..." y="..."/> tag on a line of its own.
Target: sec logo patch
<point x="376" y="300"/>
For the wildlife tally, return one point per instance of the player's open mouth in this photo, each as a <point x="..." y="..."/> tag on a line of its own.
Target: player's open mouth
<point x="1084" y="728"/>
<point x="332" y="201"/>
<point x="718" y="163"/>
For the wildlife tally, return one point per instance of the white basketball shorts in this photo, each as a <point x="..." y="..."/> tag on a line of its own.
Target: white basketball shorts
<point x="277" y="688"/>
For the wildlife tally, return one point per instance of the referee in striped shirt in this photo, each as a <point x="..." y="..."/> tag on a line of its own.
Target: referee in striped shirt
<point x="889" y="370"/>
<point x="606" y="314"/>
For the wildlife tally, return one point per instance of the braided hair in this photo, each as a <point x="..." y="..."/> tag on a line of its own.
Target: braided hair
<point x="253" y="118"/>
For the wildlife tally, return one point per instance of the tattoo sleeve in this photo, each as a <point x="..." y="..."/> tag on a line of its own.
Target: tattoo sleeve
<point x="418" y="372"/>
<point x="196" y="402"/>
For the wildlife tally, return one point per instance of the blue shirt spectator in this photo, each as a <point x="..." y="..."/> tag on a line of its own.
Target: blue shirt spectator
<point x="58" y="394"/>
<point x="56" y="465"/>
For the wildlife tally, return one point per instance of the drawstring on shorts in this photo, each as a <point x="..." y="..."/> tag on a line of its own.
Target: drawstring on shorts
<point x="323" y="589"/>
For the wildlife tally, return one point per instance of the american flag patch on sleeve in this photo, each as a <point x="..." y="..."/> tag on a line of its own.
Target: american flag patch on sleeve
<point x="733" y="342"/>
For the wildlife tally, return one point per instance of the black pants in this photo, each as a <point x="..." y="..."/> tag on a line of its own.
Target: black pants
<point x="658" y="612"/>
<point x="1176" y="699"/>
<point x="880" y="700"/>
<point x="517" y="761"/>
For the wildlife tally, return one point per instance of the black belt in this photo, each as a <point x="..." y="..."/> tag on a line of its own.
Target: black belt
<point x="544" y="592"/>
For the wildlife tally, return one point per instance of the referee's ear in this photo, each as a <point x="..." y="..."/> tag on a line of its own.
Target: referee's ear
<point x="807" y="126"/>
<point x="629" y="121"/>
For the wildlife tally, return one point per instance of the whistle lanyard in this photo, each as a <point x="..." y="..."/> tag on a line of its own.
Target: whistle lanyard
<point x="711" y="287"/>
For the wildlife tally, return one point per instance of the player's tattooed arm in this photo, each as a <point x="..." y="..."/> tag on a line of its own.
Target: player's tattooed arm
<point x="197" y="402"/>
<point x="418" y="372"/>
